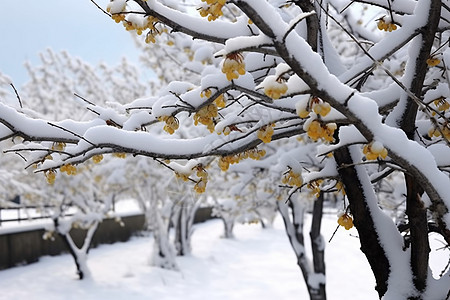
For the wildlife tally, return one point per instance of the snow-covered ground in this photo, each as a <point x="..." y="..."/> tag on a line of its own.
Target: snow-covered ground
<point x="257" y="264"/>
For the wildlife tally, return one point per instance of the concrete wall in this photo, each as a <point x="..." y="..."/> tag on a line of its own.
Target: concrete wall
<point x="27" y="246"/>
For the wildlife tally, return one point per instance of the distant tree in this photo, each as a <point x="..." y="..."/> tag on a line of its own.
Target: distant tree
<point x="80" y="202"/>
<point x="366" y="93"/>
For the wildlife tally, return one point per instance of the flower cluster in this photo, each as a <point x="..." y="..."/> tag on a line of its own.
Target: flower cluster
<point x="386" y="26"/>
<point x="340" y="187"/>
<point x="314" y="186"/>
<point x="206" y="93"/>
<point x="303" y="112"/>
<point x="375" y="150"/>
<point x="201" y="173"/>
<point x="265" y="133"/>
<point x="147" y="23"/>
<point x="219" y="101"/>
<point x="226" y="161"/>
<point x="292" y="178"/>
<point x="445" y="131"/>
<point x="69" y="169"/>
<point x="320" y="107"/>
<point x="441" y="104"/>
<point x="118" y="17"/>
<point x="440" y="128"/>
<point x="152" y="30"/>
<point x="233" y="66"/>
<point x="58" y="146"/>
<point x="116" y="9"/>
<point x="213" y="10"/>
<point x="138" y="24"/>
<point x="276" y="89"/>
<point x="433" y="61"/>
<point x="206" y="116"/>
<point x="228" y="129"/>
<point x="316" y="130"/>
<point x="97" y="158"/>
<point x="346" y="221"/>
<point x="120" y="155"/>
<point x="200" y="186"/>
<point x="151" y="36"/>
<point x="182" y="176"/>
<point x="172" y="123"/>
<point x="50" y="175"/>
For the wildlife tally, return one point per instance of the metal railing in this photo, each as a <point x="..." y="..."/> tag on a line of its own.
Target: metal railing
<point x="17" y="212"/>
<point x="23" y="213"/>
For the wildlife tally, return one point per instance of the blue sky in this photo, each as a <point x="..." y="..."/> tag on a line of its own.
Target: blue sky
<point x="28" y="27"/>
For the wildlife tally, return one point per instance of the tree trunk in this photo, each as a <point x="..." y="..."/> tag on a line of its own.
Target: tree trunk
<point x="163" y="255"/>
<point x="180" y="230"/>
<point x="183" y="223"/>
<point x="228" y="224"/>
<point x="418" y="228"/>
<point x="417" y="213"/>
<point x="363" y="221"/>
<point x="317" y="242"/>
<point x="79" y="254"/>
<point x="81" y="272"/>
<point x="314" y="279"/>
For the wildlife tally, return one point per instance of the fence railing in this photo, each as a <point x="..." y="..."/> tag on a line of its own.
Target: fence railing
<point x="23" y="213"/>
<point x="20" y="212"/>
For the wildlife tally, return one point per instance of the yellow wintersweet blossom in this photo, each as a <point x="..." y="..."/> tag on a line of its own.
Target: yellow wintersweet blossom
<point x="317" y="130"/>
<point x="276" y="89"/>
<point x="386" y="26"/>
<point x="50" y="175"/>
<point x="375" y="150"/>
<point x="292" y="178"/>
<point x="172" y="123"/>
<point x="433" y="61"/>
<point x="233" y="66"/>
<point x="97" y="158"/>
<point x="213" y="10"/>
<point x="346" y="221"/>
<point x="265" y="133"/>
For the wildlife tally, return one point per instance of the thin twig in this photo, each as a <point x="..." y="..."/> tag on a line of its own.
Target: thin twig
<point x="347" y="6"/>
<point x="439" y="48"/>
<point x="334" y="233"/>
<point x="296" y="23"/>
<point x="21" y="156"/>
<point x="35" y="149"/>
<point x="390" y="11"/>
<point x="99" y="7"/>
<point x="172" y="169"/>
<point x="93" y="111"/>
<point x="84" y="99"/>
<point x="138" y="107"/>
<point x="181" y="100"/>
<point x="71" y="132"/>
<point x="17" y="95"/>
